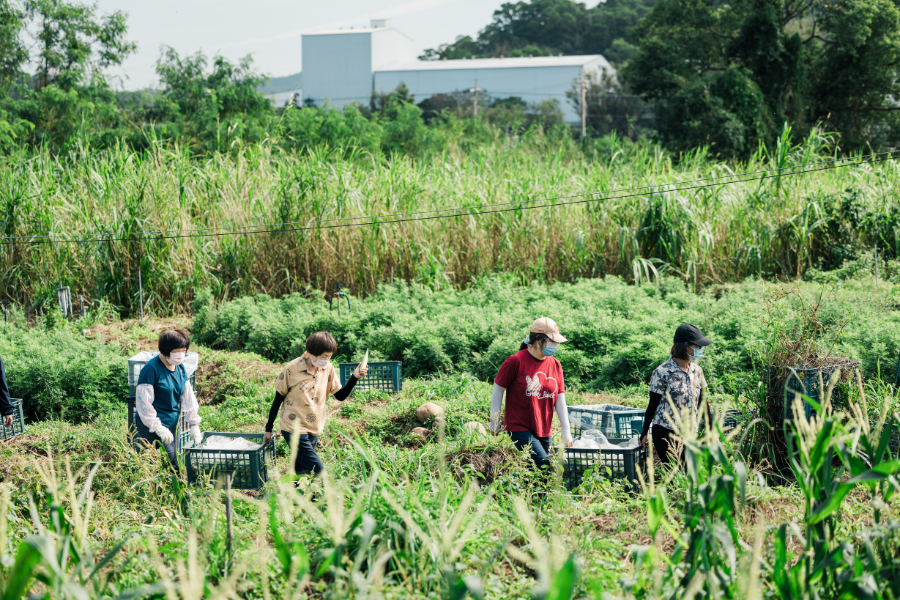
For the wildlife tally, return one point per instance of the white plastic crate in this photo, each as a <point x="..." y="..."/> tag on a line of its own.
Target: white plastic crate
<point x="137" y="362"/>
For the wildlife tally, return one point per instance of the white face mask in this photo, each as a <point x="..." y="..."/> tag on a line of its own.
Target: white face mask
<point x="320" y="363"/>
<point x="176" y="358"/>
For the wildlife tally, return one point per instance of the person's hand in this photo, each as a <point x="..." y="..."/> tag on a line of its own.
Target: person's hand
<point x="196" y="435"/>
<point x="359" y="374"/>
<point x="8" y="420"/>
<point x="643" y="442"/>
<point x="570" y="443"/>
<point x="165" y="435"/>
<point x="267" y="437"/>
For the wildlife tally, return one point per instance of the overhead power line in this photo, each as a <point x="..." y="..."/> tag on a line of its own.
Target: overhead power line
<point x="239" y="228"/>
<point x="460" y="211"/>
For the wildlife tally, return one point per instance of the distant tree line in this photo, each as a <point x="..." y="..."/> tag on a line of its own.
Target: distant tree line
<point x="730" y="75"/>
<point x="690" y="73"/>
<point x="552" y="27"/>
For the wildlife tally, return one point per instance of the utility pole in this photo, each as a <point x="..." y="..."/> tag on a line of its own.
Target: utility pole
<point x="583" y="108"/>
<point x="475" y="91"/>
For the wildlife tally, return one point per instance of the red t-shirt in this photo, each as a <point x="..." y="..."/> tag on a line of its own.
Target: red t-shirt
<point x="531" y="389"/>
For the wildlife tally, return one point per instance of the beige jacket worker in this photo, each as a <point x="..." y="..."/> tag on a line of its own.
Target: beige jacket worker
<point x="305" y="389"/>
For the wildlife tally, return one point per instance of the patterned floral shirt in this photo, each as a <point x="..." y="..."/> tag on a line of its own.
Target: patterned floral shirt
<point x="305" y="389"/>
<point x="678" y="388"/>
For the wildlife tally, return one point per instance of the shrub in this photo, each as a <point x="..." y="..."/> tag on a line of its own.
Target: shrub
<point x="618" y="332"/>
<point x="57" y="373"/>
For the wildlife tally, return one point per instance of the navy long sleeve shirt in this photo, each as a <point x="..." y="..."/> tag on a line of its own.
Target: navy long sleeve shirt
<point x="6" y="407"/>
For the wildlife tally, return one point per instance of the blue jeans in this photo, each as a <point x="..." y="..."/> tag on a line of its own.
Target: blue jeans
<point x="307" y="460"/>
<point x="152" y="439"/>
<point x="540" y="447"/>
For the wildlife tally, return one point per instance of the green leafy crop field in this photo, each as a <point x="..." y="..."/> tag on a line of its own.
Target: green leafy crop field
<point x="454" y="514"/>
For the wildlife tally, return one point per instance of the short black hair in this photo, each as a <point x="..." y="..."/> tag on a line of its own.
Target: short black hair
<point x="534" y="338"/>
<point x="171" y="339"/>
<point x="321" y="342"/>
<point x="680" y="350"/>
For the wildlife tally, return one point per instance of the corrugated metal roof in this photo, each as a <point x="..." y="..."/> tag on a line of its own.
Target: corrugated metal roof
<point x="357" y="30"/>
<point x="493" y="63"/>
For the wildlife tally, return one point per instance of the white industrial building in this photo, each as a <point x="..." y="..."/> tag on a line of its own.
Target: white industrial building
<point x="346" y="65"/>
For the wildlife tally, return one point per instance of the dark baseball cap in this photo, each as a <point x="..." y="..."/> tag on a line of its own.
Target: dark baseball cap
<point x="692" y="334"/>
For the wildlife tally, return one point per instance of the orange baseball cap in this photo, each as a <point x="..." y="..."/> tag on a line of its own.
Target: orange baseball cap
<point x="548" y="326"/>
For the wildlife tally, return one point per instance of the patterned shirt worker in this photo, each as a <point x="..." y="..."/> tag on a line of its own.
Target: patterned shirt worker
<point x="677" y="387"/>
<point x="301" y="391"/>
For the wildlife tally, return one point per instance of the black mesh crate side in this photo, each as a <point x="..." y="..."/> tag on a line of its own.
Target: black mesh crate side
<point x="622" y="464"/>
<point x="619" y="421"/>
<point x="386" y="376"/>
<point x="248" y="468"/>
<point x="18" y="423"/>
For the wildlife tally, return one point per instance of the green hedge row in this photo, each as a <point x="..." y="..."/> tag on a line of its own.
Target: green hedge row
<point x="59" y="374"/>
<point x="619" y="332"/>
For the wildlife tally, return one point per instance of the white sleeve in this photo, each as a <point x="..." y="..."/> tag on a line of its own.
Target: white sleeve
<point x="189" y="405"/>
<point x="143" y="405"/>
<point x="562" y="411"/>
<point x="497" y="404"/>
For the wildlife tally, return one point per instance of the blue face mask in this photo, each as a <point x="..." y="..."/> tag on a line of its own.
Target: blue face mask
<point x="550" y="350"/>
<point x="698" y="354"/>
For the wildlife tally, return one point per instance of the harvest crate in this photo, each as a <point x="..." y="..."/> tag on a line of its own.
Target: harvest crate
<point x="800" y="381"/>
<point x="183" y="434"/>
<point x="18" y="426"/>
<point x="613" y="420"/>
<point x="137" y="362"/>
<point x="622" y="463"/>
<point x="249" y="469"/>
<point x="386" y="376"/>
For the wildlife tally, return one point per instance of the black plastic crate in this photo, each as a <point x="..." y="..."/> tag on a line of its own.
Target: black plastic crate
<point x="182" y="433"/>
<point x="801" y="381"/>
<point x="18" y="426"/>
<point x="385" y="376"/>
<point x="622" y="464"/>
<point x="249" y="469"/>
<point x="612" y="420"/>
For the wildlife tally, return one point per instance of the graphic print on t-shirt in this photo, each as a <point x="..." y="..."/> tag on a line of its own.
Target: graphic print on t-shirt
<point x="533" y="386"/>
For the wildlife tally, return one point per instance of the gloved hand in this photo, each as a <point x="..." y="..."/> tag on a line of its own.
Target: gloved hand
<point x="165" y="435"/>
<point x="196" y="435"/>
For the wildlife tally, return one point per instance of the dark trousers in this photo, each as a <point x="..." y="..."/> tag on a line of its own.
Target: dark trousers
<point x="307" y="460"/>
<point x="540" y="447"/>
<point x="662" y="442"/>
<point x="151" y="439"/>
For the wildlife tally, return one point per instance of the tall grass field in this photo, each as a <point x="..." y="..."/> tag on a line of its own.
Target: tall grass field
<point x="261" y="220"/>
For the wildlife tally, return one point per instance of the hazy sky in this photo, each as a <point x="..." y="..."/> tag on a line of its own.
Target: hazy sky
<point x="270" y="29"/>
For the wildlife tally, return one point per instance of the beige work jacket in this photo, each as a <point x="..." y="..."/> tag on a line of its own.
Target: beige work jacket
<point x="305" y="389"/>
